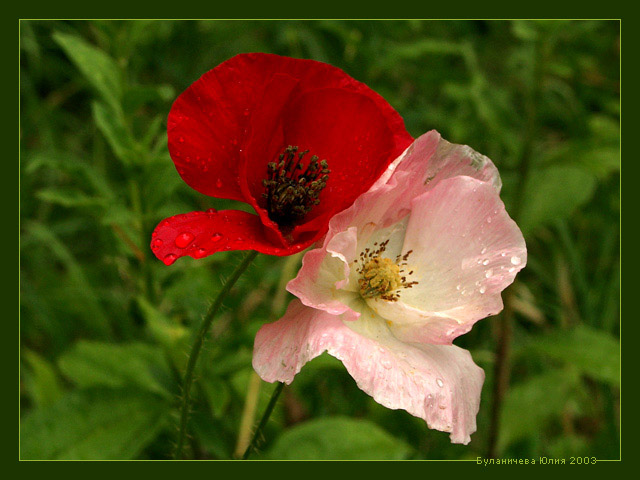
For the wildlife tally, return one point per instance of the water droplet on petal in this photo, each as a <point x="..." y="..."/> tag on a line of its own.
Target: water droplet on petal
<point x="169" y="259"/>
<point x="515" y="260"/>
<point x="184" y="240"/>
<point x="211" y="210"/>
<point x="488" y="219"/>
<point x="484" y="250"/>
<point x="485" y="262"/>
<point x="219" y="183"/>
<point x="157" y="243"/>
<point x="216" y="237"/>
<point x="440" y="382"/>
<point x="181" y="139"/>
<point x="482" y="290"/>
<point x="488" y="273"/>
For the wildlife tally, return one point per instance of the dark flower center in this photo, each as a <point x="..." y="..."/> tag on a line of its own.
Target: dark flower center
<point x="291" y="193"/>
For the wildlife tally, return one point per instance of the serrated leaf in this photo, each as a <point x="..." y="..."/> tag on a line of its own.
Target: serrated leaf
<point x="98" y="68"/>
<point x="82" y="172"/>
<point x="111" y="124"/>
<point x="594" y="353"/>
<point x="338" y="438"/>
<point x="98" y="364"/>
<point x="553" y="193"/>
<point x="93" y="425"/>
<point x="68" y="197"/>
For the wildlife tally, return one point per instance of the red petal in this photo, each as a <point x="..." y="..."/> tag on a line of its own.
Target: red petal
<point x="199" y="234"/>
<point x="351" y="133"/>
<point x="208" y="123"/>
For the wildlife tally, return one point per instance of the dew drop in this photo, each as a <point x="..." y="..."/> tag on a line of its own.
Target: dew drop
<point x="219" y="183"/>
<point x="488" y="273"/>
<point x="440" y="382"/>
<point x="169" y="259"/>
<point x="157" y="243"/>
<point x="216" y="237"/>
<point x="484" y="250"/>
<point x="184" y="240"/>
<point x="488" y="219"/>
<point x="211" y="210"/>
<point x="485" y="262"/>
<point x="515" y="260"/>
<point x="181" y="139"/>
<point x="482" y="290"/>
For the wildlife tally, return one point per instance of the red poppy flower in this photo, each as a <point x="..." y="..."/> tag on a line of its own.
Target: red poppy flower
<point x="298" y="140"/>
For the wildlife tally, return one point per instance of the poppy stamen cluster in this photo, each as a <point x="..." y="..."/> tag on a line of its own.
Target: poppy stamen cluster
<point x="290" y="192"/>
<point x="381" y="277"/>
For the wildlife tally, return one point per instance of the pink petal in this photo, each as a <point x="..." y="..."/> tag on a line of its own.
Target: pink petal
<point x="429" y="160"/>
<point x="437" y="383"/>
<point x="428" y="165"/>
<point x="465" y="251"/>
<point x="326" y="273"/>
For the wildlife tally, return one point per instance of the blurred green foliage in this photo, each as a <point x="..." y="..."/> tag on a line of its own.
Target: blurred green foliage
<point x="105" y="327"/>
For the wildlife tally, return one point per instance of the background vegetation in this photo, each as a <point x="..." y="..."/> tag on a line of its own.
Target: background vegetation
<point x="105" y="326"/>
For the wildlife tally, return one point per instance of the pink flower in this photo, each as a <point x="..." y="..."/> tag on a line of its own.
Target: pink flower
<point x="410" y="266"/>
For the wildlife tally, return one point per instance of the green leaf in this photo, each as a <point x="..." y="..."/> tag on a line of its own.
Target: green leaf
<point x="81" y="171"/>
<point x="218" y="395"/>
<point x="529" y="405"/>
<point x="338" y="438"/>
<point x="166" y="331"/>
<point x="93" y="425"/>
<point x="112" y="125"/>
<point x="554" y="193"/>
<point x="98" y="68"/>
<point x="594" y="353"/>
<point x="93" y="364"/>
<point x="140" y="95"/>
<point x="86" y="296"/>
<point x="41" y="380"/>
<point x="69" y="197"/>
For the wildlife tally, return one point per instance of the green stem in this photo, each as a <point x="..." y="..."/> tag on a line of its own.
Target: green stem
<point x="197" y="346"/>
<point x="263" y="420"/>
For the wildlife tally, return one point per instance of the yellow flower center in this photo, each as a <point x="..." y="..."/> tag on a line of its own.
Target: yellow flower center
<point x="381" y="277"/>
<point x="378" y="277"/>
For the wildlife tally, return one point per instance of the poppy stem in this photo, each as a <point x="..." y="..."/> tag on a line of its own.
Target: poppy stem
<point x="263" y="420"/>
<point x="197" y="346"/>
